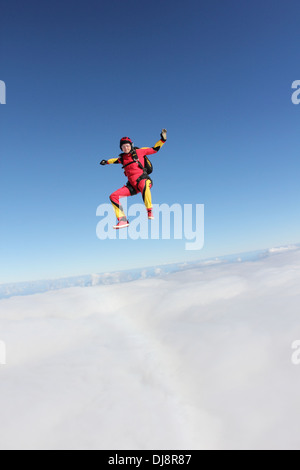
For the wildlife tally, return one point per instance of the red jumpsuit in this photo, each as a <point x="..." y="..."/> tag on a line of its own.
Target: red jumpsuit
<point x="133" y="172"/>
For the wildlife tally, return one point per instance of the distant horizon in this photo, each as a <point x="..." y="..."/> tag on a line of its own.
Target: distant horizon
<point x="91" y="277"/>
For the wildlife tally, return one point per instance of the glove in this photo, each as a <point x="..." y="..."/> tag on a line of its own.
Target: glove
<point x="163" y="135"/>
<point x="103" y="162"/>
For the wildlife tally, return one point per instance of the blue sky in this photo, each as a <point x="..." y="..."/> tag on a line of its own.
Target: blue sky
<point x="82" y="74"/>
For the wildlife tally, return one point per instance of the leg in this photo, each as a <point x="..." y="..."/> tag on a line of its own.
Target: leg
<point x="144" y="186"/>
<point x="115" y="200"/>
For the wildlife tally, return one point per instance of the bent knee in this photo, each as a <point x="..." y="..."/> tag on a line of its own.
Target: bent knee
<point x="113" y="197"/>
<point x="115" y="194"/>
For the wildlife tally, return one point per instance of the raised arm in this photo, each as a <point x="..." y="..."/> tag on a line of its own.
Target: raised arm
<point x="158" y="145"/>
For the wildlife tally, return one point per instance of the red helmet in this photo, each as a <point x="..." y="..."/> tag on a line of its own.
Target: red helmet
<point x="125" y="140"/>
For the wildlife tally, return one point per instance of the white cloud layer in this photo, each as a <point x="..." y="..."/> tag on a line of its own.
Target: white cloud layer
<point x="199" y="358"/>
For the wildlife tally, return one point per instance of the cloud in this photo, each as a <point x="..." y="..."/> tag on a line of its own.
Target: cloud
<point x="279" y="249"/>
<point x="198" y="358"/>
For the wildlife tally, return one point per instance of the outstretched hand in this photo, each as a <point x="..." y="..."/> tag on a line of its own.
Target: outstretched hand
<point x="103" y="162"/>
<point x="164" y="134"/>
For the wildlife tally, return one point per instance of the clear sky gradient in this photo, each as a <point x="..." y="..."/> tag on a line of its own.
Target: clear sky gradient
<point x="80" y="75"/>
